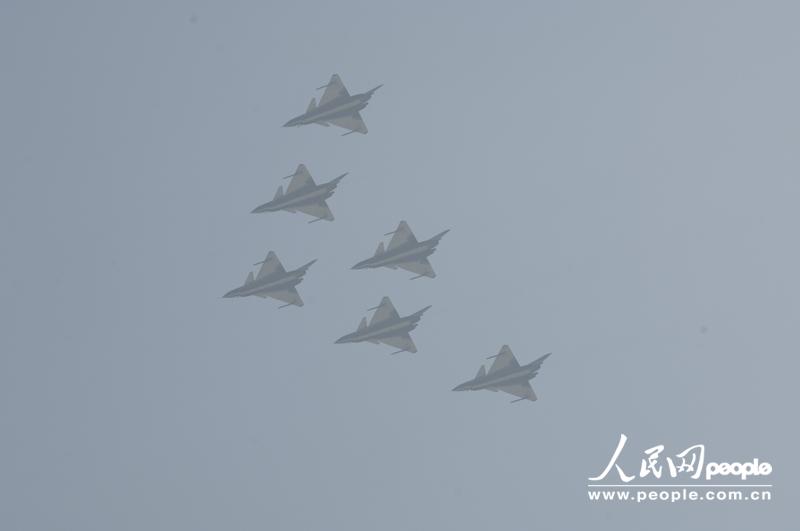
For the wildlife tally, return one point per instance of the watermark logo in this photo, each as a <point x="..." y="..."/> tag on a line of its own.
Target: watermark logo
<point x="673" y="477"/>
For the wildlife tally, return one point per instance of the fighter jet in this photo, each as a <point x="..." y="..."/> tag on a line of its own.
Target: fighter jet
<point x="337" y="107"/>
<point x="405" y="252"/>
<point x="303" y="195"/>
<point x="273" y="281"/>
<point x="387" y="327"/>
<point x="506" y="375"/>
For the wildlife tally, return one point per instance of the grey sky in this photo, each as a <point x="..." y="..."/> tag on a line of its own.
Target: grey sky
<point x="621" y="181"/>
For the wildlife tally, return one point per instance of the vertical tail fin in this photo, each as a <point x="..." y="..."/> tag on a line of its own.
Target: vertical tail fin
<point x="279" y="193"/>
<point x="250" y="278"/>
<point x="379" y="250"/>
<point x="363" y="324"/>
<point x="481" y="372"/>
<point x="312" y="105"/>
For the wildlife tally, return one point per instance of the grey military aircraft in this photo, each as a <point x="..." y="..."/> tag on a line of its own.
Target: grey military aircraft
<point x="387" y="327"/>
<point x="273" y="281"/>
<point x="506" y="375"/>
<point x="405" y="252"/>
<point x="303" y="195"/>
<point x="337" y="107"/>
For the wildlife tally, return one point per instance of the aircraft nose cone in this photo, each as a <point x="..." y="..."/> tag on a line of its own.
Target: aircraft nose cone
<point x="229" y="295"/>
<point x="347" y="338"/>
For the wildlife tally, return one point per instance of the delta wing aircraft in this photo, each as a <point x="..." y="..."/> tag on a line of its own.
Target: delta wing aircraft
<point x="506" y="375"/>
<point x="405" y="252"/>
<point x="273" y="281"/>
<point x="337" y="107"/>
<point x="387" y="327"/>
<point x="303" y="195"/>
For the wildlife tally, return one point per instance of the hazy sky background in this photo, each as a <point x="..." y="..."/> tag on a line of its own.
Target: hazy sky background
<point x="621" y="181"/>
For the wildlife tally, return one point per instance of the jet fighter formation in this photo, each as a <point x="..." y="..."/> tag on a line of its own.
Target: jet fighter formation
<point x="337" y="107"/>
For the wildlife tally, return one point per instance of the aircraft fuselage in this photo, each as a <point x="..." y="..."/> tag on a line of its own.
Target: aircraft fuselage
<point x="413" y="252"/>
<point x="267" y="284"/>
<point x="298" y="198"/>
<point x="331" y="110"/>
<point x="501" y="378"/>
